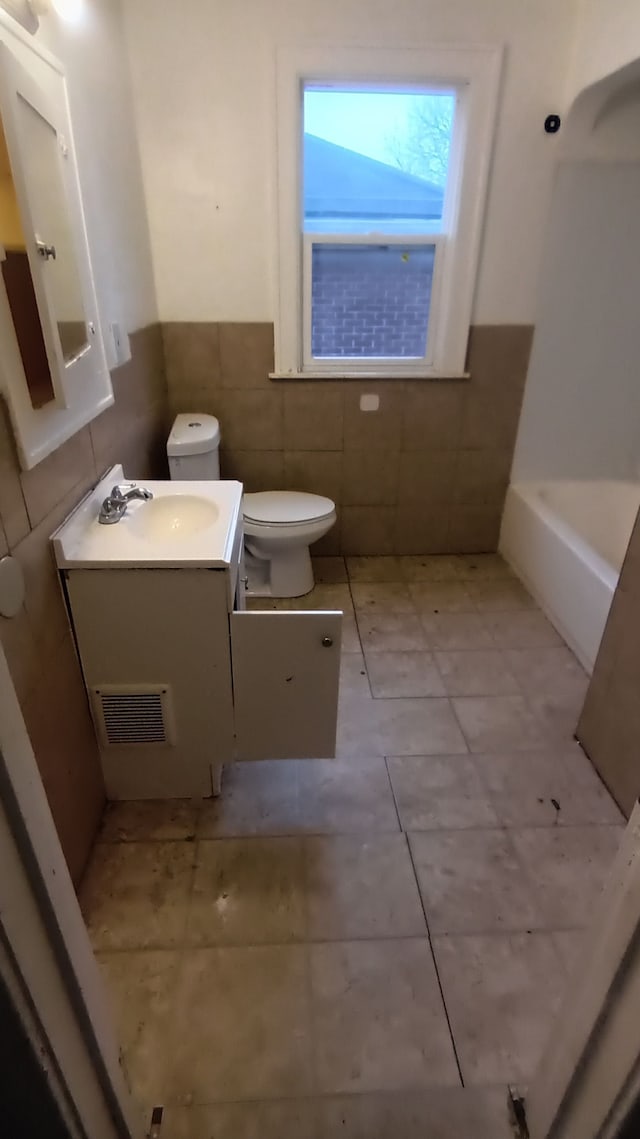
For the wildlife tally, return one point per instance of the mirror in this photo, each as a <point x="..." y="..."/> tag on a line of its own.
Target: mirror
<point x="41" y="151"/>
<point x="18" y="282"/>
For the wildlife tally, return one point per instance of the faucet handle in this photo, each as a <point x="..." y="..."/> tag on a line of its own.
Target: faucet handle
<point x="121" y="489"/>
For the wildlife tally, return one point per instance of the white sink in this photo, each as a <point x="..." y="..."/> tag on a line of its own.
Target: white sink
<point x="173" y="517"/>
<point x="185" y="524"/>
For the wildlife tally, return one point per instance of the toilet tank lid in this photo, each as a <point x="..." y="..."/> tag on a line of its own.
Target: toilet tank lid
<point x="193" y="434"/>
<point x="285" y="506"/>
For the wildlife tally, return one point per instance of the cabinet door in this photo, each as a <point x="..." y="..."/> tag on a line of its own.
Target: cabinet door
<point x="286" y="669"/>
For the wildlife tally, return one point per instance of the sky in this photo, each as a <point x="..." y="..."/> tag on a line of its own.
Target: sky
<point x="360" y="121"/>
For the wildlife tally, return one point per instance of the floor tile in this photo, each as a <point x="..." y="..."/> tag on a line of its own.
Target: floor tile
<point x="354" y="681"/>
<point x="390" y="632"/>
<point x="473" y="882"/>
<point x="502" y="993"/>
<point x="135" y="895"/>
<point x="382" y="597"/>
<point x="501" y="595"/>
<point x="361" y="887"/>
<point x="378" y="1015"/>
<point x="546" y="788"/>
<point x="342" y="796"/>
<point x="558" y="716"/>
<point x="568" y="866"/>
<point x="441" y="597"/>
<point x="553" y="671"/>
<point x="476" y="672"/>
<point x="570" y="945"/>
<point x="329" y="570"/>
<point x="456" y="631"/>
<point x="374" y="569"/>
<point x="282" y="1119"/>
<point x="431" y="567"/>
<point x="242" y="1019"/>
<point x="483" y="567"/>
<point x="257" y="798"/>
<point x="499" y="723"/>
<point x="440" y="1113"/>
<point x="324" y="596"/>
<point x="149" y="820"/>
<point x="404" y="674"/>
<point x="439" y="792"/>
<point x="399" y="727"/>
<point x="523" y="630"/>
<point x="247" y="891"/>
<point x="141" y="988"/>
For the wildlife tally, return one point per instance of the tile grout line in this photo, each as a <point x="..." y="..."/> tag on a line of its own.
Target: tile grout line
<point x="426" y="922"/>
<point x="357" y="625"/>
<point x="231" y="946"/>
<point x="435" y="963"/>
<point x="393" y="795"/>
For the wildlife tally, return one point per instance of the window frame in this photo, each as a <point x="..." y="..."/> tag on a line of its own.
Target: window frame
<point x="473" y="72"/>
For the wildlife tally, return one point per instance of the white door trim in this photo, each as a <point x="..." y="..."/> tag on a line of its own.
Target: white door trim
<point x="45" y="935"/>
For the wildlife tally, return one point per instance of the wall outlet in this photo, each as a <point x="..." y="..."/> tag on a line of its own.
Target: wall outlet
<point x="119" y="347"/>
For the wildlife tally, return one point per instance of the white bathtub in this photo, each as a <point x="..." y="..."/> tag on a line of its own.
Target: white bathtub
<point x="567" y="542"/>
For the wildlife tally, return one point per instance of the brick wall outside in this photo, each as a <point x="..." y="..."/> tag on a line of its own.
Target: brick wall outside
<point x="370" y="300"/>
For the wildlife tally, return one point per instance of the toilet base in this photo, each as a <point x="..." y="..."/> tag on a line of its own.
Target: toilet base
<point x="289" y="574"/>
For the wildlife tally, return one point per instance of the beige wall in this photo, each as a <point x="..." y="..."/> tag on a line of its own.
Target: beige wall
<point x="607" y="38"/>
<point x="427" y="473"/>
<point x="37" y="642"/>
<point x="609" y="727"/>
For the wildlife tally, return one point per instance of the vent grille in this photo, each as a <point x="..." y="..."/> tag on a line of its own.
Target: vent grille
<point x="132" y="716"/>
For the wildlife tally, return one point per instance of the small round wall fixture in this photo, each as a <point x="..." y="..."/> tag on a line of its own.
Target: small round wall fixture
<point x="11" y="587"/>
<point x="552" y="124"/>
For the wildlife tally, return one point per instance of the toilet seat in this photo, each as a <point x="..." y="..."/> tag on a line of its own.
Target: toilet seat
<point x="285" y="508"/>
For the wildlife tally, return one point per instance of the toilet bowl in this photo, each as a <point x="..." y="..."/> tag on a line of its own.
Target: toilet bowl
<point x="279" y="525"/>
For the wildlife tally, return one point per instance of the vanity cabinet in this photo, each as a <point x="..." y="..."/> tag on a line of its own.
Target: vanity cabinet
<point x="181" y="680"/>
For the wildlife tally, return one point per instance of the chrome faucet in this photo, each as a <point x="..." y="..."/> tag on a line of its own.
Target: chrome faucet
<point x="114" y="506"/>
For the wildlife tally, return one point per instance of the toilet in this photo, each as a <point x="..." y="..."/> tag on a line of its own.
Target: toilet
<point x="279" y="525"/>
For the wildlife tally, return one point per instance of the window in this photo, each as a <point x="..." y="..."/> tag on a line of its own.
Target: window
<point x="381" y="186"/>
<point x="375" y="174"/>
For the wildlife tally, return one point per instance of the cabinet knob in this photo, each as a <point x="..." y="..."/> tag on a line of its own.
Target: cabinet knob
<point x="327" y="642"/>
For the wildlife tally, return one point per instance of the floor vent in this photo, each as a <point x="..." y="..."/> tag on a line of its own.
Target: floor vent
<point x="133" y="715"/>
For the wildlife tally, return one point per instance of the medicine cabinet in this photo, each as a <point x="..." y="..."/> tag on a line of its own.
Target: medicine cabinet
<point x="53" y="368"/>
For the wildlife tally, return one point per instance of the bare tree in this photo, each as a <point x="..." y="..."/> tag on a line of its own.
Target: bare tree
<point x="422" y="148"/>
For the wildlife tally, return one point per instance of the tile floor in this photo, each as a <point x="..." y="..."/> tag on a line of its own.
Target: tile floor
<point x="375" y="945"/>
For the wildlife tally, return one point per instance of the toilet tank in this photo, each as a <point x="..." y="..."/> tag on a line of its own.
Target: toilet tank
<point x="193" y="447"/>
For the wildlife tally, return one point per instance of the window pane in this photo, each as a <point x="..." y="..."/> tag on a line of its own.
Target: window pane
<point x="370" y="300"/>
<point x="375" y="161"/>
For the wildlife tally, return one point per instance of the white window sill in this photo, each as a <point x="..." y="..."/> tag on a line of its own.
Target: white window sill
<point x="386" y="375"/>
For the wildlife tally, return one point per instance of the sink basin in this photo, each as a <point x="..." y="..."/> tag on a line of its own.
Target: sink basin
<point x="192" y="524"/>
<point x="172" y="517"/>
